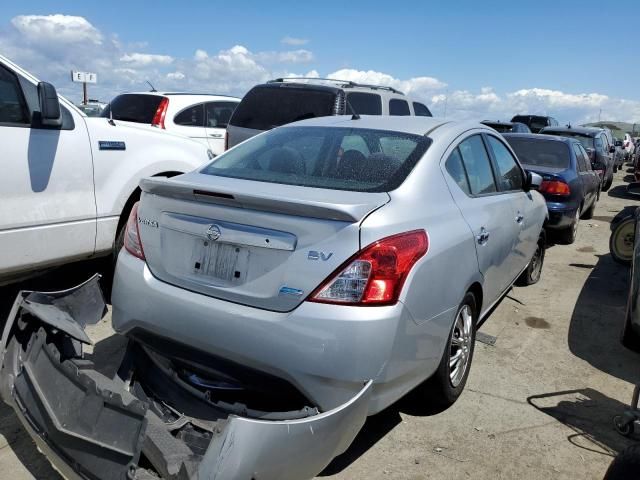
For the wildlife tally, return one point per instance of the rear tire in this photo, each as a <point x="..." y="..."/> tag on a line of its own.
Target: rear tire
<point x="621" y="241"/>
<point x="607" y="185"/>
<point x="629" y="338"/>
<point x="588" y="214"/>
<point x="533" y="272"/>
<point x="569" y="235"/>
<point x="446" y="385"/>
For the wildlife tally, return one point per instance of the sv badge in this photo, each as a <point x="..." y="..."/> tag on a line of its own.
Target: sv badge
<point x="314" y="255"/>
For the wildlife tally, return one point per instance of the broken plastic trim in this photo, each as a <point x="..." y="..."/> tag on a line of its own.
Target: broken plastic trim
<point x="93" y="427"/>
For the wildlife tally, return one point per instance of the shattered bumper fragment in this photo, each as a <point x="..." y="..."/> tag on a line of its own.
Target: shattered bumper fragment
<point x="148" y="422"/>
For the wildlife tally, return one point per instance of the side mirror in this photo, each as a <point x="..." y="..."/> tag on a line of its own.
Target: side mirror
<point x="50" y="114"/>
<point x="534" y="181"/>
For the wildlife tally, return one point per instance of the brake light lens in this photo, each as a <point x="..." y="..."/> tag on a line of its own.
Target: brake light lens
<point x="161" y="112"/>
<point x="132" y="240"/>
<point x="376" y="274"/>
<point x="555" y="187"/>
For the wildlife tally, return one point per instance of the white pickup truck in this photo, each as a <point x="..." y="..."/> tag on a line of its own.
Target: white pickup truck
<point x="68" y="181"/>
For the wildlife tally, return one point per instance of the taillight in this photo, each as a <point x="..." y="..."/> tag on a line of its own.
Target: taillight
<point x="375" y="275"/>
<point x="132" y="240"/>
<point x="161" y="111"/>
<point x="555" y="187"/>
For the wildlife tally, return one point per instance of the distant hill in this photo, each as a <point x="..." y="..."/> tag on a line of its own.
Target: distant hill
<point x="618" y="128"/>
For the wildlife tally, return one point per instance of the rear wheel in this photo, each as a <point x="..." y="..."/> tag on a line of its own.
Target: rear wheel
<point x="588" y="214"/>
<point x="607" y="183"/>
<point x="446" y="385"/>
<point x="569" y="235"/>
<point x="621" y="241"/>
<point x="533" y="272"/>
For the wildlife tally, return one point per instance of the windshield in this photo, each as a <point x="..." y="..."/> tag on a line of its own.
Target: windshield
<point x="361" y="160"/>
<point x="587" y="141"/>
<point x="133" y="107"/>
<point x="541" y="153"/>
<point x="264" y="108"/>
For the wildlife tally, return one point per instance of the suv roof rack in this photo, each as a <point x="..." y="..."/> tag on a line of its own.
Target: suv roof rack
<point x="346" y="83"/>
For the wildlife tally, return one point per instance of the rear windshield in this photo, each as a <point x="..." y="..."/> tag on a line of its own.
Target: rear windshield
<point x="585" y="140"/>
<point x="360" y="160"/>
<point x="541" y="153"/>
<point x="500" y="127"/>
<point x="264" y="108"/>
<point x="534" y="122"/>
<point x="132" y="107"/>
<point x="364" y="103"/>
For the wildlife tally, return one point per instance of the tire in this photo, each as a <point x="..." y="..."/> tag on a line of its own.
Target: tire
<point x="621" y="241"/>
<point x="588" y="214"/>
<point x="606" y="186"/>
<point x="533" y="272"/>
<point x="626" y="465"/>
<point x="629" y="338"/>
<point x="615" y="168"/>
<point x="445" y="386"/>
<point x="569" y="235"/>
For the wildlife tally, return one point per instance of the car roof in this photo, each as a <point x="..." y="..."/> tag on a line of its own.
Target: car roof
<point x="590" y="131"/>
<point x="186" y="94"/>
<point x="540" y="137"/>
<point x="415" y="125"/>
<point x="335" y="83"/>
<point x="500" y="122"/>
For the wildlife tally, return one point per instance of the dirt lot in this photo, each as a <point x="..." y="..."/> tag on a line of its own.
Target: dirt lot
<point x="538" y="403"/>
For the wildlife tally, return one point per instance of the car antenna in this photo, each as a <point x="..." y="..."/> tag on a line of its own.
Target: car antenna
<point x="355" y="115"/>
<point x="153" y="89"/>
<point x="111" y="122"/>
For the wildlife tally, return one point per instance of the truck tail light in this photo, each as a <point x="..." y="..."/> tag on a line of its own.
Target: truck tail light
<point x="132" y="240"/>
<point x="161" y="112"/>
<point x="376" y="274"/>
<point x="555" y="187"/>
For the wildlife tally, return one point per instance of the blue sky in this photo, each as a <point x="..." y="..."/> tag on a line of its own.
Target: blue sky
<point x="476" y="52"/>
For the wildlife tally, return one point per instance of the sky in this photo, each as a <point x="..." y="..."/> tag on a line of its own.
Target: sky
<point x="574" y="60"/>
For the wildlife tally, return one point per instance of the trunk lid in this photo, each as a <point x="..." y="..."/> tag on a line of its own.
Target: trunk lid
<point x="259" y="244"/>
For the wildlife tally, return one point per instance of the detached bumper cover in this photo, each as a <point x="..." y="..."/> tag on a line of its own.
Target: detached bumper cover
<point x="90" y="426"/>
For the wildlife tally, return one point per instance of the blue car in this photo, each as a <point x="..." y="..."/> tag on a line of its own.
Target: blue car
<point x="570" y="186"/>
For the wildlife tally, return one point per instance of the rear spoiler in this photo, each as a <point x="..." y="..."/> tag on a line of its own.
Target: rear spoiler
<point x="269" y="197"/>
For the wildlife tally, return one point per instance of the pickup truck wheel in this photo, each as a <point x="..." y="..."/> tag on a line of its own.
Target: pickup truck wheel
<point x="533" y="272"/>
<point x="446" y="385"/>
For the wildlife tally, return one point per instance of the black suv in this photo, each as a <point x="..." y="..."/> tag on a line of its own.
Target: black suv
<point x="596" y="143"/>
<point x="507" y="127"/>
<point x="536" y="122"/>
<point x="287" y="100"/>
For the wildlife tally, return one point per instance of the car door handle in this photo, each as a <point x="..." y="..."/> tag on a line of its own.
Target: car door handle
<point x="519" y="217"/>
<point x="483" y="236"/>
<point x="216" y="135"/>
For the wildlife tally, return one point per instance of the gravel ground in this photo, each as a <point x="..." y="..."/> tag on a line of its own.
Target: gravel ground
<point x="538" y="403"/>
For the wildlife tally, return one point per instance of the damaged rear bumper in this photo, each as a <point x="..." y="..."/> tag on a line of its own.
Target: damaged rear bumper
<point x="143" y="424"/>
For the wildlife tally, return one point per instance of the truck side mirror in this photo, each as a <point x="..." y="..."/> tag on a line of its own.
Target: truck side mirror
<point x="50" y="114"/>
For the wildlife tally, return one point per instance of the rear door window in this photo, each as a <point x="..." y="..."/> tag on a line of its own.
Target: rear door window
<point x="421" y="110"/>
<point x="477" y="165"/>
<point x="364" y="103"/>
<point x="585" y="155"/>
<point x="509" y="173"/>
<point x="132" y="107"/>
<point x="398" y="107"/>
<point x="456" y="169"/>
<point x="13" y="108"/>
<point x="218" y="114"/>
<point x="267" y="107"/>
<point x="191" y="117"/>
<point x="581" y="161"/>
<point x="316" y="157"/>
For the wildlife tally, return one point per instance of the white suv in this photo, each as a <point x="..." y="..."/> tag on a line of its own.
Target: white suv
<point x="287" y="100"/>
<point x="202" y="117"/>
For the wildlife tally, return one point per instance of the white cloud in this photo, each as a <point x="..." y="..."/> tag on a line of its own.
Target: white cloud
<point x="412" y="86"/>
<point x="290" y="56"/>
<point x="293" y="41"/>
<point x="175" y="76"/>
<point x="57" y="28"/>
<point x="145" y="59"/>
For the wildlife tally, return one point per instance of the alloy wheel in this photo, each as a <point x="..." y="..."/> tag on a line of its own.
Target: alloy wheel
<point x="460" y="347"/>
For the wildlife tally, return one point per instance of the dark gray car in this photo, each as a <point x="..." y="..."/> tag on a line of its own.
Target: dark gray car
<point x="595" y="142"/>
